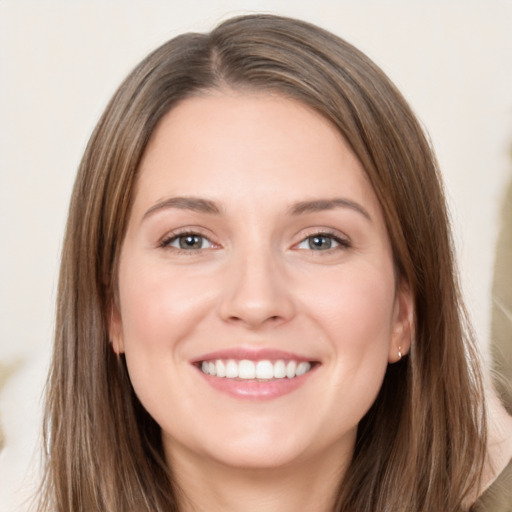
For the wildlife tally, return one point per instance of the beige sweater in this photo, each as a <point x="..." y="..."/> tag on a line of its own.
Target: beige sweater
<point x="498" y="498"/>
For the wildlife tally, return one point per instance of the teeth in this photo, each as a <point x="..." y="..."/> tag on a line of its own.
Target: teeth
<point x="290" y="369"/>
<point x="302" y="369"/>
<point x="220" y="368"/>
<point x="264" y="370"/>
<point x="231" y="369"/>
<point x="279" y="370"/>
<point x="246" y="369"/>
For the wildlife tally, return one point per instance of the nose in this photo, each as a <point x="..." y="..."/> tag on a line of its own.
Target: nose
<point x="258" y="293"/>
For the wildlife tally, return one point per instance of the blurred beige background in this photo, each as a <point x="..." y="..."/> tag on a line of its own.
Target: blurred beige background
<point x="61" y="60"/>
<point x="501" y="320"/>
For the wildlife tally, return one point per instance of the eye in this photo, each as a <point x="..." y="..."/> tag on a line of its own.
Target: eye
<point x="322" y="242"/>
<point x="187" y="242"/>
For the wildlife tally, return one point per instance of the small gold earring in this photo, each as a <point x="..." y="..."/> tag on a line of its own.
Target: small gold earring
<point x="399" y="353"/>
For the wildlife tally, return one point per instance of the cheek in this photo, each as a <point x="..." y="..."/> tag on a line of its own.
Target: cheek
<point x="159" y="311"/>
<point x="158" y="307"/>
<point x="356" y="321"/>
<point x="357" y="312"/>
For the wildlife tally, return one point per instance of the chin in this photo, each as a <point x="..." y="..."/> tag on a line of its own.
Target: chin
<point x="258" y="456"/>
<point x="262" y="444"/>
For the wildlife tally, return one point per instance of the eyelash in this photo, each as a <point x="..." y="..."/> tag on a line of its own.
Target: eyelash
<point x="342" y="243"/>
<point x="167" y="241"/>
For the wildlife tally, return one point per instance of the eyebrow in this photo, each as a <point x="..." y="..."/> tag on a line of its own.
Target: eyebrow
<point x="200" y="205"/>
<point x="318" y="205"/>
<point x="194" y="204"/>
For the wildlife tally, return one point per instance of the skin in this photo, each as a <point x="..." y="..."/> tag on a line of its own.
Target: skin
<point x="257" y="283"/>
<point x="499" y="442"/>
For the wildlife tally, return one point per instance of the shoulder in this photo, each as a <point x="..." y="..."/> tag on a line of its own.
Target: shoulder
<point x="498" y="497"/>
<point x="497" y="476"/>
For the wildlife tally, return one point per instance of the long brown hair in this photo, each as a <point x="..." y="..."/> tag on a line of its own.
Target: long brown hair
<point x="421" y="445"/>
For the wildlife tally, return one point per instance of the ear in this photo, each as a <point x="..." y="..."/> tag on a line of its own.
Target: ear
<point x="402" y="329"/>
<point x="115" y="330"/>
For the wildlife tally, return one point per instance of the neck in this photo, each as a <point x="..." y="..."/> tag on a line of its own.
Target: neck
<point x="308" y="486"/>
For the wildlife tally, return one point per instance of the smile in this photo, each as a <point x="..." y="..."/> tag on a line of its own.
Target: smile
<point x="248" y="373"/>
<point x="246" y="369"/>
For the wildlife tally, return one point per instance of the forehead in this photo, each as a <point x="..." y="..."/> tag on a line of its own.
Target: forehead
<point x="250" y="146"/>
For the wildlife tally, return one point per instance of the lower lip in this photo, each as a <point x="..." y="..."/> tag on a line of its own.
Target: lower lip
<point x="256" y="389"/>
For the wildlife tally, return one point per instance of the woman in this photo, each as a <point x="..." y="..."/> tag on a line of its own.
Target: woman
<point x="258" y="308"/>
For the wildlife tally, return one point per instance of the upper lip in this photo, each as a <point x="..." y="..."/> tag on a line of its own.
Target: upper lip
<point x="252" y="354"/>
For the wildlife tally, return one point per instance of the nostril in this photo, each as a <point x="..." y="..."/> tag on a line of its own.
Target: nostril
<point x="255" y="321"/>
<point x="256" y="308"/>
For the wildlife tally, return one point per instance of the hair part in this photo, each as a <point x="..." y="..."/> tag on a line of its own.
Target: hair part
<point x="421" y="445"/>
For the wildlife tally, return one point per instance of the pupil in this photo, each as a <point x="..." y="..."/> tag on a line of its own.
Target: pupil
<point x="320" y="242"/>
<point x="191" y="242"/>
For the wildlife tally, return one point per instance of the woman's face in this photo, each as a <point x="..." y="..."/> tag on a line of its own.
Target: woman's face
<point x="256" y="252"/>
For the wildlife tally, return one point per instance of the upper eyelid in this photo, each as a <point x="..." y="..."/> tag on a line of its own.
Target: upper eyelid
<point x="340" y="240"/>
<point x="334" y="233"/>
<point x="173" y="235"/>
